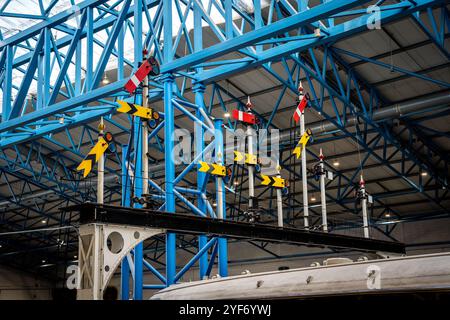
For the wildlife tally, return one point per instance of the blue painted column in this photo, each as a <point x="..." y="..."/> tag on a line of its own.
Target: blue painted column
<point x="44" y="72"/>
<point x="199" y="90"/>
<point x="220" y="196"/>
<point x="302" y="5"/>
<point x="169" y="128"/>
<point x="258" y="20"/>
<point x="7" y="83"/>
<point x="126" y="192"/>
<point x="89" y="49"/>
<point x="229" y="18"/>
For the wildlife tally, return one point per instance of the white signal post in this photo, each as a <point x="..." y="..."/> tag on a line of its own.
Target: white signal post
<point x="251" y="181"/>
<point x="362" y="186"/>
<point x="219" y="159"/>
<point x="251" y="168"/>
<point x="145" y="135"/>
<point x="279" y="201"/>
<point x="101" y="166"/>
<point x="322" y="193"/>
<point x="304" y="172"/>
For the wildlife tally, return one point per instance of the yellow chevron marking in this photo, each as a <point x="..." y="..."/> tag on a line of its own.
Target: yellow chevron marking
<point x="85" y="165"/>
<point x="124" y="106"/>
<point x="218" y="170"/>
<point x="250" y="158"/>
<point x="88" y="162"/>
<point x="302" y="143"/>
<point x="212" y="168"/>
<point x="304" y="139"/>
<point x="238" y="156"/>
<point x="297" y="151"/>
<point x="266" y="180"/>
<point x="204" y="167"/>
<point x="278" y="182"/>
<point x="139" y="111"/>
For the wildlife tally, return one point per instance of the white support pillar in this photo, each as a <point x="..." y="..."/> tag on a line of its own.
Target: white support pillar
<point x="364" y="207"/>
<point x="279" y="198"/>
<point x="304" y="175"/>
<point x="251" y="168"/>
<point x="145" y="136"/>
<point x="219" y="159"/>
<point x="220" y="195"/>
<point x="323" y="198"/>
<point x="101" y="248"/>
<point x="279" y="207"/>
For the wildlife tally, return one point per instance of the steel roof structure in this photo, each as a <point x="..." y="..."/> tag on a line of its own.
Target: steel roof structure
<point x="379" y="107"/>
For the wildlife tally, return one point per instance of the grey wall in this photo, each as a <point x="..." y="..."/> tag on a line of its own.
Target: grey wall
<point x="16" y="285"/>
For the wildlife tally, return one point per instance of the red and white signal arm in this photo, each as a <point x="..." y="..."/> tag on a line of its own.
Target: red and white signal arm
<point x="301" y="107"/>
<point x="244" y="117"/>
<point x="150" y="66"/>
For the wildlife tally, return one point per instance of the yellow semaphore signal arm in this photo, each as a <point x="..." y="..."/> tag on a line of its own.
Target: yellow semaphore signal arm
<point x="134" y="109"/>
<point x="93" y="156"/>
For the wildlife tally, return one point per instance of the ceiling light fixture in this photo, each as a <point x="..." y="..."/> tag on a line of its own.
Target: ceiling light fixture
<point x="105" y="79"/>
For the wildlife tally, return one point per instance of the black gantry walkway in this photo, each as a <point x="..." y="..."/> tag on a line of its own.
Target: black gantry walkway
<point x="188" y="224"/>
